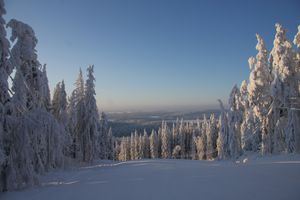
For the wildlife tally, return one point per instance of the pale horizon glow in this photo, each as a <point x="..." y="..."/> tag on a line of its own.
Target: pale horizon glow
<point x="153" y="55"/>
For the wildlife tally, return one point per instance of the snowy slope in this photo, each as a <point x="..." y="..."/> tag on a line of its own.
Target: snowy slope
<point x="275" y="177"/>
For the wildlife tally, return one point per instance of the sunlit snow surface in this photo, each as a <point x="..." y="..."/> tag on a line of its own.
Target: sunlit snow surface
<point x="274" y="177"/>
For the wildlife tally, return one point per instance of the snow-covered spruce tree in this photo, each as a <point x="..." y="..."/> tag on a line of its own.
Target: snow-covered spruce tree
<point x="159" y="141"/>
<point x="211" y="135"/>
<point x="132" y="147"/>
<point x="182" y="139"/>
<point x="136" y="145"/>
<point x="103" y="137"/>
<point x="247" y="126"/>
<point x="193" y="147"/>
<point x="222" y="141"/>
<point x="72" y="122"/>
<point x="123" y="150"/>
<point x="90" y="134"/>
<point x="154" y="145"/>
<point x="146" y="143"/>
<point x="286" y="86"/>
<point x="175" y="137"/>
<point x="165" y="140"/>
<point x="57" y="131"/>
<point x="259" y="81"/>
<point x="203" y="129"/>
<point x="43" y="129"/>
<point x="171" y="141"/>
<point x="188" y="131"/>
<point x="56" y="101"/>
<point x="117" y="149"/>
<point x="59" y="111"/>
<point x="45" y="97"/>
<point x="259" y="91"/>
<point x="141" y="147"/>
<point x="209" y="142"/>
<point x="127" y="148"/>
<point x="110" y="144"/>
<point x="234" y="123"/>
<point x="200" y="147"/>
<point x="76" y="111"/>
<point x="60" y="104"/>
<point x="18" y="170"/>
<point x="29" y="152"/>
<point x="260" y="98"/>
<point x="203" y="134"/>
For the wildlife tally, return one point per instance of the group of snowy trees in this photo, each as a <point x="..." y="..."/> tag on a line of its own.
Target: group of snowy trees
<point x="263" y="114"/>
<point x="37" y="134"/>
<point x="89" y="133"/>
<point x="186" y="140"/>
<point x="270" y="102"/>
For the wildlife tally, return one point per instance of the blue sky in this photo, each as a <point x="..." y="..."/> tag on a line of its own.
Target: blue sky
<point x="153" y="55"/>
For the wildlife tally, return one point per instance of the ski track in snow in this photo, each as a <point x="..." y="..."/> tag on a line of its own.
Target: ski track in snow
<point x="274" y="177"/>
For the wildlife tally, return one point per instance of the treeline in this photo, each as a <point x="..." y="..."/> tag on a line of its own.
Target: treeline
<point x="38" y="134"/>
<point x="185" y="140"/>
<point x="263" y="114"/>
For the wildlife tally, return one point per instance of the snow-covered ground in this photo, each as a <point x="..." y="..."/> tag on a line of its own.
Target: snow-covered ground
<point x="275" y="177"/>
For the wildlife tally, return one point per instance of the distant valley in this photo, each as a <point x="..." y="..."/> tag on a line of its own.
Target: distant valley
<point x="123" y="123"/>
